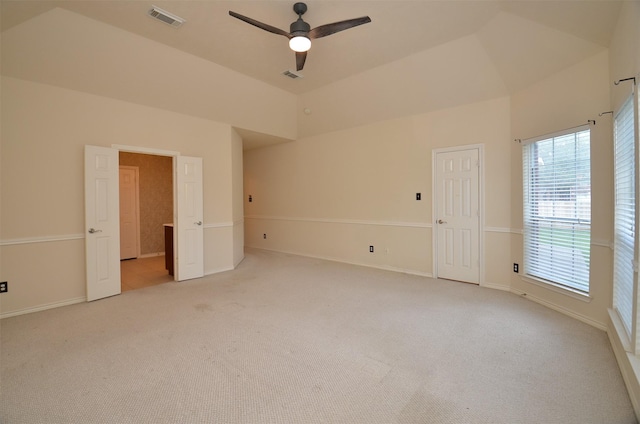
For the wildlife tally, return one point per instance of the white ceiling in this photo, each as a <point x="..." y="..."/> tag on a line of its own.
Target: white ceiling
<point x="525" y="40"/>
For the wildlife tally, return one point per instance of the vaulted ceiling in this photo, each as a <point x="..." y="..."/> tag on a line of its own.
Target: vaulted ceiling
<point x="523" y="41"/>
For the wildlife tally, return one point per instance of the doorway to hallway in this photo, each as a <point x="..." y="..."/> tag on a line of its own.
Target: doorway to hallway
<point x="154" y="208"/>
<point x="102" y="221"/>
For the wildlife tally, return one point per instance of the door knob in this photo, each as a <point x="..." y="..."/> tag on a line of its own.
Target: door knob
<point x="198" y="223"/>
<point x="93" y="230"/>
<point x="441" y="221"/>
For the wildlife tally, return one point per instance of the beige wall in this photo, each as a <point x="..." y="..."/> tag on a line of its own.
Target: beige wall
<point x="567" y="99"/>
<point x="334" y="195"/>
<point x="485" y="123"/>
<point x="625" y="52"/>
<point x="155" y="197"/>
<point x="44" y="130"/>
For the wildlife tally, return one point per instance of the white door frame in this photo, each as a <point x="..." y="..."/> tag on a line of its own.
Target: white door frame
<point x="481" y="188"/>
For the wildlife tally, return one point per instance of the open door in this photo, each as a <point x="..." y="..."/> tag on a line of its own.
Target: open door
<point x="102" y="222"/>
<point x="189" y="231"/>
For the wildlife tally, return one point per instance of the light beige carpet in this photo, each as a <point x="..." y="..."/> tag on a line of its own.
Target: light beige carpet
<point x="286" y="339"/>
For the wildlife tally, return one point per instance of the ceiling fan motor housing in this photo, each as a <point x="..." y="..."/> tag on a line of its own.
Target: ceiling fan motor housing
<point x="299" y="28"/>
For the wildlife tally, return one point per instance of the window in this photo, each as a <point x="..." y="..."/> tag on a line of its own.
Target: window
<point x="625" y="214"/>
<point x="557" y="209"/>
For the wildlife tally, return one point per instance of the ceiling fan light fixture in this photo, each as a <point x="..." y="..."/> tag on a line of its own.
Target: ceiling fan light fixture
<point x="300" y="33"/>
<point x="300" y="44"/>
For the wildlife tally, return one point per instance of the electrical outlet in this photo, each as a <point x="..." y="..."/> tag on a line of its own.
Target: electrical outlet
<point x="4" y="287"/>
<point x="371" y="249"/>
<point x="264" y="236"/>
<point x="250" y="199"/>
<point x="516" y="267"/>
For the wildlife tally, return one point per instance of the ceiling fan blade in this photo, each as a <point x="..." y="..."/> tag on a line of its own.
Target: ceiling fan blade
<point x="301" y="57"/>
<point x="328" y="29"/>
<point x="260" y="25"/>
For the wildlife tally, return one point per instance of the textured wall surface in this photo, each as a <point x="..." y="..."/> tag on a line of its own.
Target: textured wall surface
<point x="156" y="198"/>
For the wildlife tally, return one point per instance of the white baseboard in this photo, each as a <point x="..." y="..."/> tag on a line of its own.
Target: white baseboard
<point x="328" y="258"/>
<point x="235" y="265"/>
<point x="561" y="309"/>
<point x="43" y="307"/>
<point x="151" y="255"/>
<point x="218" y="270"/>
<point x="495" y="286"/>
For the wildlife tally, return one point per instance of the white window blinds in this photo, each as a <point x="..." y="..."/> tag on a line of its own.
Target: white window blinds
<point x="625" y="214"/>
<point x="557" y="208"/>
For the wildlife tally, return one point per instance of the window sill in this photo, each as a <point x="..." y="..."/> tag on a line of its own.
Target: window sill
<point x="628" y="363"/>
<point x="557" y="288"/>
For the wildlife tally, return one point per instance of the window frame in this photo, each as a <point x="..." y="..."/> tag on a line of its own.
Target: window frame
<point x="570" y="280"/>
<point x="627" y="312"/>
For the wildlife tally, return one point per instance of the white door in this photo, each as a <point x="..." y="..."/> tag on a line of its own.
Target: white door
<point x="457" y="215"/>
<point x="102" y="236"/>
<point x="189" y="231"/>
<point x="129" y="216"/>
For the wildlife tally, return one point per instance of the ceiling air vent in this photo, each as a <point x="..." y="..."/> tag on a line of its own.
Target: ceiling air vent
<point x="292" y="74"/>
<point x="166" y="17"/>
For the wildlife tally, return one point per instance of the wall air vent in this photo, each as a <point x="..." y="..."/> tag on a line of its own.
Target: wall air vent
<point x="292" y="74"/>
<point x="166" y="17"/>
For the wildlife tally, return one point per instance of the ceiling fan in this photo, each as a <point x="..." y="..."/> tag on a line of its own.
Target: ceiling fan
<point x="301" y="34"/>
